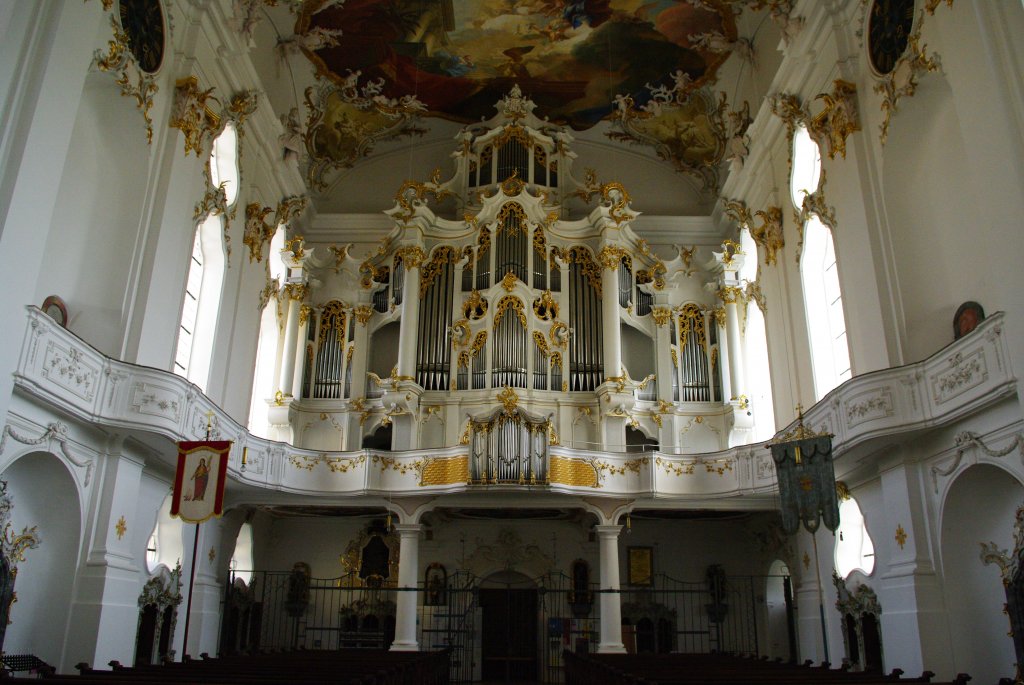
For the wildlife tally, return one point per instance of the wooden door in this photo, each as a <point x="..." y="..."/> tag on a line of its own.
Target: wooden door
<point x="509" y="634"/>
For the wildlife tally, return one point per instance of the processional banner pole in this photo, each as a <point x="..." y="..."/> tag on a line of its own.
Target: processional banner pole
<point x="201" y="497"/>
<point x="807" y="491"/>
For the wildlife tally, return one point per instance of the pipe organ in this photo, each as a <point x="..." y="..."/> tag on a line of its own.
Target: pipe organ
<point x="513" y="292"/>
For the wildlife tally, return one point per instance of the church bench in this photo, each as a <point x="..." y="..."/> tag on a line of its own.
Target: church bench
<point x="354" y="667"/>
<point x="716" y="669"/>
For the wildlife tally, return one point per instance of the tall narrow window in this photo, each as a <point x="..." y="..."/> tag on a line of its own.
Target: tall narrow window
<point x="830" y="354"/>
<point x="819" y="275"/>
<point x="242" y="557"/>
<point x="755" y="348"/>
<point x="271" y="340"/>
<point x="205" y="277"/>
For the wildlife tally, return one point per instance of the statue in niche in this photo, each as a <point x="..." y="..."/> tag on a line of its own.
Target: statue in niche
<point x="12" y="550"/>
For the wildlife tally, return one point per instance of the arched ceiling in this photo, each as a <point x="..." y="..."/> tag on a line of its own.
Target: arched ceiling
<point x="371" y="93"/>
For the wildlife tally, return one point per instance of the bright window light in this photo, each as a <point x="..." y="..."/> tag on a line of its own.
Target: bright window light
<point x="224" y="163"/>
<point x="823" y="300"/>
<point x="806" y="166"/>
<point x="854" y="549"/>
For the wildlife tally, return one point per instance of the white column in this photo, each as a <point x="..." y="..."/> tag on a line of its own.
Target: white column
<point x="730" y="296"/>
<point x="611" y="603"/>
<point x="299" y="365"/>
<point x="610" y="316"/>
<point x="408" y="572"/>
<point x="291" y="333"/>
<point x="410" y="315"/>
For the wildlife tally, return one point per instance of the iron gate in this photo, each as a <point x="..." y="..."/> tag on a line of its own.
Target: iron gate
<point x="282" y="612"/>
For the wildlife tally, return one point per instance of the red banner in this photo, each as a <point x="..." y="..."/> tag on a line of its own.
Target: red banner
<point x="199" y="480"/>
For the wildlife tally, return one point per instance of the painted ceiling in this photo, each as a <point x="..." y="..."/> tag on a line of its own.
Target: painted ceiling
<point x="578" y="60"/>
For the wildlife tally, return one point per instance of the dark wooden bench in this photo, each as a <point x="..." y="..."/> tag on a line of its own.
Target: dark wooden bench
<point x="718" y="669"/>
<point x="309" y="667"/>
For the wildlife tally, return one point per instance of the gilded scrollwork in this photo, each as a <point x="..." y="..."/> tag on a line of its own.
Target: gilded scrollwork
<point x="814" y="204"/>
<point x="460" y="334"/>
<point x="257" y="231"/>
<point x="134" y="82"/>
<point x="683" y="125"/>
<point x="838" y="119"/>
<point x="290" y="208"/>
<point x="14" y="544"/>
<point x="509" y="399"/>
<point x="545" y="307"/>
<point x="442" y="255"/>
<point x="335" y="464"/>
<point x="475" y="306"/>
<point x="579" y="254"/>
<point x="508" y="282"/>
<point x="510" y="302"/>
<point x="661" y="315"/>
<point x="615" y="197"/>
<point x="559" y="335"/>
<point x="901" y="82"/>
<point x="346" y="121"/>
<point x="413" y="194"/>
<point x="769" y="234"/>
<point x="542" y="344"/>
<point x="611" y="256"/>
<point x="191" y="114"/>
<point x="411" y="255"/>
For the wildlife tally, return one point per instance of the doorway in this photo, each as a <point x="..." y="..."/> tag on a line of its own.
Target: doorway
<point x="508" y="643"/>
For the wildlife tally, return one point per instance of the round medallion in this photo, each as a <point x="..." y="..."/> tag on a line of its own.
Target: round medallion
<point x="889" y="27"/>
<point x="143" y="23"/>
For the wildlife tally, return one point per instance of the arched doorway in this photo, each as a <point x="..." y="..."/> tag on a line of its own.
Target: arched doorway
<point x="508" y="636"/>
<point x="779" y="604"/>
<point x="44" y="495"/>
<point x="974" y="592"/>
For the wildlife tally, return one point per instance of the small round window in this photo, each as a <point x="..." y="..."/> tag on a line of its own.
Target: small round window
<point x="806" y="166"/>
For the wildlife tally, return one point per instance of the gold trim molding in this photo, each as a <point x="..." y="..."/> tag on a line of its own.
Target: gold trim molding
<point x="901" y="82"/>
<point x="133" y="81"/>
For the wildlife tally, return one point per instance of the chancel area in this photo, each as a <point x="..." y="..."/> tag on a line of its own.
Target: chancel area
<point x="543" y="339"/>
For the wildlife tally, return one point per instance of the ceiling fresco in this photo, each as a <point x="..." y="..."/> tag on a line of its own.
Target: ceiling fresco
<point x="571" y="57"/>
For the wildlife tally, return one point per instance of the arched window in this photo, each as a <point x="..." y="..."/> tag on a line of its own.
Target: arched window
<point x="823" y="298"/>
<point x="854" y="549"/>
<point x="819" y="275"/>
<point x="242" y="558"/>
<point x="205" y="279"/>
<point x="270" y="342"/>
<point x="755" y="348"/>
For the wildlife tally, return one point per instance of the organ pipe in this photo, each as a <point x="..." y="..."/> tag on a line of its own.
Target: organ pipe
<point x="437" y="290"/>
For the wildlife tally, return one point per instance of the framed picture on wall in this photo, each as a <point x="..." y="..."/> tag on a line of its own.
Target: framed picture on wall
<point x="641" y="565"/>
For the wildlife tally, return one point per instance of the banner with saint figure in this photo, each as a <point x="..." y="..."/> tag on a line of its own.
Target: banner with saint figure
<point x="807" y="483"/>
<point x="199" y="480"/>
